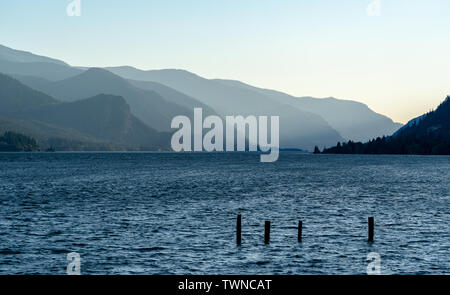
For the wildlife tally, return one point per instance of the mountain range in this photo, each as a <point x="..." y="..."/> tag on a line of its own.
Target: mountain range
<point x="131" y="102"/>
<point x="101" y="122"/>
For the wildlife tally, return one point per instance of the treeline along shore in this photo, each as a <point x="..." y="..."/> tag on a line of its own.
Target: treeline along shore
<point x="15" y="142"/>
<point x="426" y="135"/>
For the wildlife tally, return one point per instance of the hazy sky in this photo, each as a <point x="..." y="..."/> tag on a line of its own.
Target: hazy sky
<point x="398" y="62"/>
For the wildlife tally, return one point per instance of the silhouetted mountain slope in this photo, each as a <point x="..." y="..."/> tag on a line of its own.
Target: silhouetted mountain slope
<point x="147" y="105"/>
<point x="353" y="120"/>
<point x="410" y="123"/>
<point x="32" y="81"/>
<point x="16" y="97"/>
<point x="302" y="119"/>
<point x="103" y="119"/>
<point x="169" y="94"/>
<point x="17" y="62"/>
<point x="46" y="70"/>
<point x="435" y="124"/>
<point x="14" y="55"/>
<point x="174" y="96"/>
<point x="428" y="135"/>
<point x="298" y="129"/>
<point x="224" y="99"/>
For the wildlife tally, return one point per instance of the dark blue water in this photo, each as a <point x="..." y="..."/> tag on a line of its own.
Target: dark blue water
<point x="147" y="213"/>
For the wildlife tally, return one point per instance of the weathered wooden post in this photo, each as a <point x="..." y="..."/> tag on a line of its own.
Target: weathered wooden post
<point x="371" y="224"/>
<point x="299" y="236"/>
<point x="267" y="232"/>
<point x="238" y="230"/>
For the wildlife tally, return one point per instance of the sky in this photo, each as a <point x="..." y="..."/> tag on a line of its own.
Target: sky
<point x="393" y="55"/>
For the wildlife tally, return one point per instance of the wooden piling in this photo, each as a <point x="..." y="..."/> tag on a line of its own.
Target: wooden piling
<point x="371" y="225"/>
<point x="238" y="229"/>
<point x="267" y="232"/>
<point x="299" y="236"/>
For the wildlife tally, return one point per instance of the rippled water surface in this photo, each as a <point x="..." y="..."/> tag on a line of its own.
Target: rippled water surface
<point x="149" y="213"/>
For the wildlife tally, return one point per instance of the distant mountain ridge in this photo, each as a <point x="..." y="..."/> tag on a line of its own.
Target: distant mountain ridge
<point x="14" y="55"/>
<point x="15" y="98"/>
<point x="147" y="105"/>
<point x="103" y="120"/>
<point x="298" y="128"/>
<point x="174" y="96"/>
<point x="353" y="120"/>
<point x="106" y="117"/>
<point x="155" y="97"/>
<point x="341" y="114"/>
